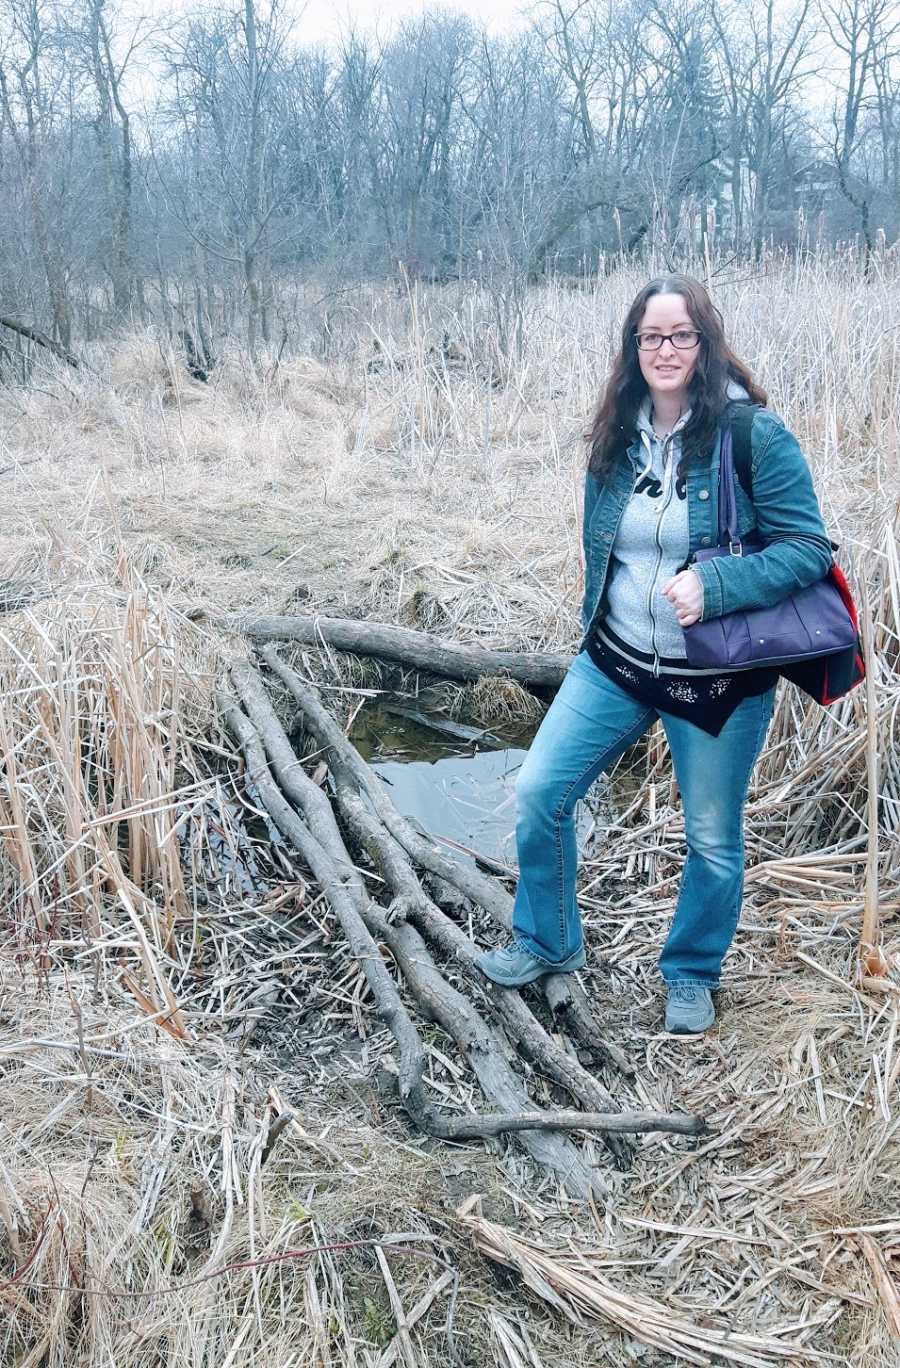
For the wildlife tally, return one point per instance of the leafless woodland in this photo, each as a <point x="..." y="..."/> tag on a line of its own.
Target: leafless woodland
<point x="187" y="167"/>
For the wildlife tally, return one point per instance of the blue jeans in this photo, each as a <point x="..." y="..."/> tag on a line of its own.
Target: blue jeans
<point x="590" y="723"/>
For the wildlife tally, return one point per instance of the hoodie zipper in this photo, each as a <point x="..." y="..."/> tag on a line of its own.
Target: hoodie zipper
<point x="668" y="486"/>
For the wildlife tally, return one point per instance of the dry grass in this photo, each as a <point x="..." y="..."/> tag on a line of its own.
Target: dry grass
<point x="163" y="966"/>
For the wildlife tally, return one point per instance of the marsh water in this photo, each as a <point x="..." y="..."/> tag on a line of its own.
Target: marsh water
<point x="457" y="785"/>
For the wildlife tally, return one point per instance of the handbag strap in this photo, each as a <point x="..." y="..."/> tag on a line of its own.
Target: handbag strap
<point x="728" y="518"/>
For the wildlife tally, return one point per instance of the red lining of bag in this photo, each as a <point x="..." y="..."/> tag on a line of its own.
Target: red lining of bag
<point x="839" y="581"/>
<point x="860" y="676"/>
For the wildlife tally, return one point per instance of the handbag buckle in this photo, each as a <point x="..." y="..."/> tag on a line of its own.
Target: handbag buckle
<point x="735" y="548"/>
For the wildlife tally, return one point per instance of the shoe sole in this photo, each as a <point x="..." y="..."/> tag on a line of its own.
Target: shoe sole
<point x="690" y="1030"/>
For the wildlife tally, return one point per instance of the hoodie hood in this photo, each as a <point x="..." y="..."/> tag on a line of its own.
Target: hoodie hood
<point x="653" y="446"/>
<point x="657" y="449"/>
<point x="733" y="392"/>
<point x="645" y="422"/>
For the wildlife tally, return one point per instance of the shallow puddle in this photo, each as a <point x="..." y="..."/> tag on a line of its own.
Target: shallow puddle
<point x="458" y="789"/>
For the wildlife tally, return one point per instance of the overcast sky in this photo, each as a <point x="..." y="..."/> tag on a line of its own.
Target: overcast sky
<point x="322" y="18"/>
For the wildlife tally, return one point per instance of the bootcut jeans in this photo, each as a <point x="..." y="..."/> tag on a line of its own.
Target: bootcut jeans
<point x="588" y="726"/>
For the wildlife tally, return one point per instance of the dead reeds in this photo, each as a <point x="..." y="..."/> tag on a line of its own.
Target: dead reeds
<point x="171" y="980"/>
<point x="101" y="696"/>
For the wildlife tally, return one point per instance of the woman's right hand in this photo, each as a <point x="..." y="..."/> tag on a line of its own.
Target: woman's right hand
<point x="685" y="593"/>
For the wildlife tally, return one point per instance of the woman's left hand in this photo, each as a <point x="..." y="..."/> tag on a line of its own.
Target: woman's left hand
<point x="685" y="593"/>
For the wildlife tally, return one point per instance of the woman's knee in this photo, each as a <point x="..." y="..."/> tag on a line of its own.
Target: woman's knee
<point x="538" y="791"/>
<point x="714" y="829"/>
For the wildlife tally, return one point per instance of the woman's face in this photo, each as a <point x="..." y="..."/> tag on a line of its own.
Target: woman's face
<point x="668" y="371"/>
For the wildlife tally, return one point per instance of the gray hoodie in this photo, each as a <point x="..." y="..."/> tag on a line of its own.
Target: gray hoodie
<point x="652" y="543"/>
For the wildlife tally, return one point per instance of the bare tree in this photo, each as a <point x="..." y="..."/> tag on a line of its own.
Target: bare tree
<point x="228" y="68"/>
<point x="30" y="77"/>
<point x="735" y="67"/>
<point x="886" y="81"/>
<point x="418" y="122"/>
<point x="107" y="63"/>
<point x="687" y="147"/>
<point x="861" y="30"/>
<point x="575" y="37"/>
<point x="783" y="49"/>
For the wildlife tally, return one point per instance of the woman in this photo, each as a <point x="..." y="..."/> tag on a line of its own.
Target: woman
<point x="650" y="504"/>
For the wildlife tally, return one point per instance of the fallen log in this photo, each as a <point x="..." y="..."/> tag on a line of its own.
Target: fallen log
<point x="41" y="338"/>
<point x="407" y="647"/>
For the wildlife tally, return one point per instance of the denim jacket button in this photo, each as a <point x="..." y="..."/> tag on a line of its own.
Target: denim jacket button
<point x="704" y="494"/>
<point x="704" y="541"/>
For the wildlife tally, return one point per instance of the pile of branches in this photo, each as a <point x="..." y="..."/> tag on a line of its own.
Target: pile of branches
<point x="417" y="939"/>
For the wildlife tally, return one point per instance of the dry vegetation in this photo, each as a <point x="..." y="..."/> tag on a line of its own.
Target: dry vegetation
<point x="168" y="982"/>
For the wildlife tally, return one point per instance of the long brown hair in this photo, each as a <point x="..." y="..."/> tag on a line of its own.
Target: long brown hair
<point x="614" y="424"/>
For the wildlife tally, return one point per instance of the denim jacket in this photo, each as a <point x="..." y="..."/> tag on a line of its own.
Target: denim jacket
<point x="784" y="514"/>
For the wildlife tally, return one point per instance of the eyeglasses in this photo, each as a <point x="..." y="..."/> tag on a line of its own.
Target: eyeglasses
<point x="683" y="339"/>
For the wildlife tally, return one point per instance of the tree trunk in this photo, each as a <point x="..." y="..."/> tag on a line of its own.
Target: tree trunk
<point x="407" y="647"/>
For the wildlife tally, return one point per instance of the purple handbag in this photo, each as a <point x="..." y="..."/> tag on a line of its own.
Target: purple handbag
<point x="807" y="624"/>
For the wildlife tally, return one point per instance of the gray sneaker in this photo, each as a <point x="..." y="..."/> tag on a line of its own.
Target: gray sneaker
<point x="513" y="965"/>
<point x="689" y="1009"/>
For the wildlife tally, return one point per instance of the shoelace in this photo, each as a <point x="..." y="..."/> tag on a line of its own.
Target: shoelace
<point x="684" y="992"/>
<point x="513" y="949"/>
